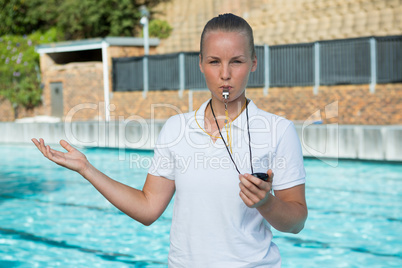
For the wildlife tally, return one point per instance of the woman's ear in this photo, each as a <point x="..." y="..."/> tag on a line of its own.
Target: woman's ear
<point x="254" y="66"/>
<point x="200" y="63"/>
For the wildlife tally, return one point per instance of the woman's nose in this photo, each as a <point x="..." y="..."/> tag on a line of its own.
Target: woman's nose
<point x="225" y="72"/>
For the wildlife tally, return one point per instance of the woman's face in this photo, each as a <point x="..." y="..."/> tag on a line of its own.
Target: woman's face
<point x="226" y="63"/>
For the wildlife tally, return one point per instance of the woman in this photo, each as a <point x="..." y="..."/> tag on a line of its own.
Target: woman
<point x="222" y="214"/>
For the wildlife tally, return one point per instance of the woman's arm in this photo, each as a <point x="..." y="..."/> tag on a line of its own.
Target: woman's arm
<point x="286" y="211"/>
<point x="144" y="206"/>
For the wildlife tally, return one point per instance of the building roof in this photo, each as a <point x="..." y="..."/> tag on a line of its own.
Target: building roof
<point x="95" y="43"/>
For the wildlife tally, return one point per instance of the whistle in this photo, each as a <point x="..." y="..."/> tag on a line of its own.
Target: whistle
<point x="225" y="94"/>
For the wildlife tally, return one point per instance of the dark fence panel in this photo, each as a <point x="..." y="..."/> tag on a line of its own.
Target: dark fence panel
<point x="256" y="78"/>
<point x="193" y="76"/>
<point x="163" y="72"/>
<point x="389" y="59"/>
<point x="127" y="74"/>
<point x="345" y="62"/>
<point x="292" y="65"/>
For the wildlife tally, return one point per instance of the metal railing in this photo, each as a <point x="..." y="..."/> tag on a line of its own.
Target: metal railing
<point x="367" y="60"/>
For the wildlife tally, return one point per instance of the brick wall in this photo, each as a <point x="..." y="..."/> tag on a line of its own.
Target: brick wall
<point x="82" y="83"/>
<point x="346" y="104"/>
<point x="283" y="22"/>
<point x="352" y="104"/>
<point x="7" y="111"/>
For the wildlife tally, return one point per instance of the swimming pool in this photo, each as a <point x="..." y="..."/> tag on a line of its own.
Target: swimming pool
<point x="52" y="217"/>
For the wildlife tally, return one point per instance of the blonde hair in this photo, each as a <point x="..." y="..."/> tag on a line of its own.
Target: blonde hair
<point x="229" y="23"/>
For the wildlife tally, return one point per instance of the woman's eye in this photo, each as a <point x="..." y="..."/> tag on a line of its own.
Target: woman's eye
<point x="213" y="62"/>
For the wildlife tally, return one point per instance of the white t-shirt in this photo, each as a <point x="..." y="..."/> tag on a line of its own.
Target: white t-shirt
<point x="211" y="225"/>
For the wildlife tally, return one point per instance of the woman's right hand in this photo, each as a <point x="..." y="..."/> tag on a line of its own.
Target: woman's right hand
<point x="73" y="159"/>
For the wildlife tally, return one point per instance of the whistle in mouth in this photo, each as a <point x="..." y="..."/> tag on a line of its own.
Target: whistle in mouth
<point x="225" y="94"/>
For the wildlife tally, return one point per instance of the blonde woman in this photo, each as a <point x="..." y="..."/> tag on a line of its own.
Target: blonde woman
<point x="222" y="214"/>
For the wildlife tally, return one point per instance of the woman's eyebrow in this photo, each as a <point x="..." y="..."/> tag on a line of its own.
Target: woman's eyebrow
<point x="213" y="57"/>
<point x="233" y="58"/>
<point x="238" y="57"/>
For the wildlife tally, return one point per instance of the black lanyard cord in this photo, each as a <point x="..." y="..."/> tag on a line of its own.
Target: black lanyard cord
<point x="249" y="141"/>
<point x="227" y="148"/>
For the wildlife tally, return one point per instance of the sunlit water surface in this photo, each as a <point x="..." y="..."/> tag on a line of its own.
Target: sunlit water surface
<point x="52" y="217"/>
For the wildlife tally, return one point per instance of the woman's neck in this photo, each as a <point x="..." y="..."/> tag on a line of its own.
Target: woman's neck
<point x="233" y="108"/>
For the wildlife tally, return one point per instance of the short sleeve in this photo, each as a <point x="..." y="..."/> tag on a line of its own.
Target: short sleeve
<point x="288" y="165"/>
<point x="163" y="161"/>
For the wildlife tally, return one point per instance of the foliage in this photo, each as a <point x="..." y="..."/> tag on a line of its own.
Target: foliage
<point x="159" y="28"/>
<point x="21" y="17"/>
<point x="19" y="67"/>
<point x="78" y="19"/>
<point x="84" y="19"/>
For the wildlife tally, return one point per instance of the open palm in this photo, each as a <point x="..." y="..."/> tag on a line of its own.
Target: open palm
<point x="72" y="159"/>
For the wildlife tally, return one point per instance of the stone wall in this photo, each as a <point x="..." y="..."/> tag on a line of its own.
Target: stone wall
<point x="283" y="22"/>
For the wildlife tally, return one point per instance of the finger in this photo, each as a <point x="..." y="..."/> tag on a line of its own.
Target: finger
<point x="252" y="192"/>
<point x="260" y="190"/>
<point x="248" y="183"/>
<point x="66" y="146"/>
<point x="48" y="152"/>
<point x="270" y="175"/>
<point x="36" y="142"/>
<point x="44" y="148"/>
<point x="245" y="199"/>
<point x="256" y="182"/>
<point x="40" y="146"/>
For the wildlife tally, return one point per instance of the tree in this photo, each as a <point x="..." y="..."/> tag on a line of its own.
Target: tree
<point x="19" y="68"/>
<point x="78" y="19"/>
<point x="19" y="17"/>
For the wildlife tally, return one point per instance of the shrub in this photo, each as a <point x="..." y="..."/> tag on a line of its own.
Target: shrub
<point x="159" y="28"/>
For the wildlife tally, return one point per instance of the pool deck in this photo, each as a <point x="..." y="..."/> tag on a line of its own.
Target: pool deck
<point x="332" y="141"/>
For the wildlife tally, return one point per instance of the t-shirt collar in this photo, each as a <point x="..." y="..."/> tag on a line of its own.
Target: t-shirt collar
<point x="239" y="122"/>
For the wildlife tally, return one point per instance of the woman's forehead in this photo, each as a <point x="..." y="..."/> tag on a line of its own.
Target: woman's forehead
<point x="222" y="40"/>
<point x="226" y="34"/>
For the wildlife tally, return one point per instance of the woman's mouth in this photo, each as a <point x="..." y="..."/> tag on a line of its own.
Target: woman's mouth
<point x="226" y="88"/>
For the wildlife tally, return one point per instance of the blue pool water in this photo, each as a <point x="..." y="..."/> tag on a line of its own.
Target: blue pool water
<point x="51" y="217"/>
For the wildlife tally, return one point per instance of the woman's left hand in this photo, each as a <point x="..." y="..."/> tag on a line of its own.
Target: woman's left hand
<point x="255" y="192"/>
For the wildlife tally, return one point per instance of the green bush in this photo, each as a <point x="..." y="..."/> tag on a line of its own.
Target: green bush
<point x="159" y="28"/>
<point x="19" y="67"/>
